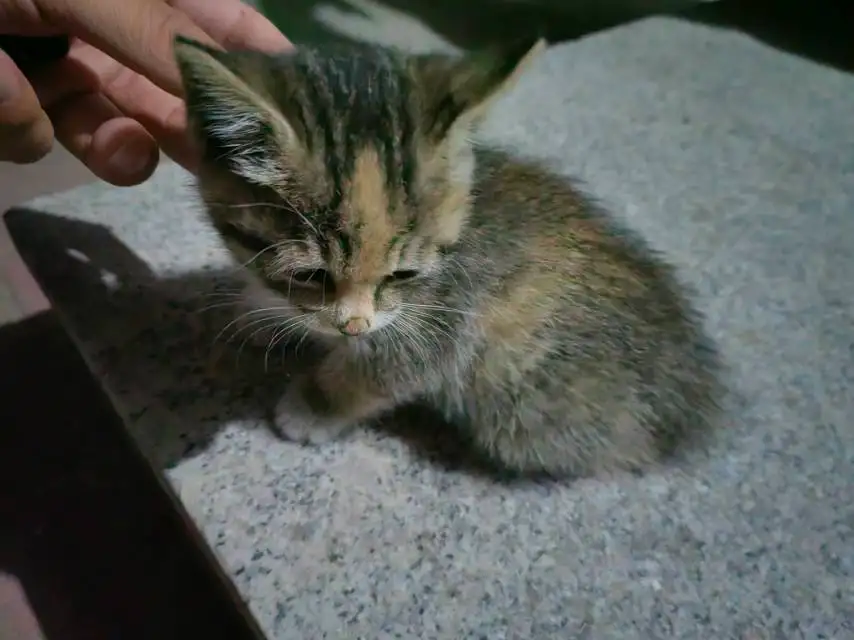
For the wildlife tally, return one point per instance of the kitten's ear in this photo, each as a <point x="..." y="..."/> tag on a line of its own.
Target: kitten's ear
<point x="458" y="90"/>
<point x="235" y="122"/>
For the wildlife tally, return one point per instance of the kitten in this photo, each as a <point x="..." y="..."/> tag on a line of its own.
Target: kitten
<point x="434" y="270"/>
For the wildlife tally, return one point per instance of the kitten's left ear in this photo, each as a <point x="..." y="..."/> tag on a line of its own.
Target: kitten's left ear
<point x="235" y="121"/>
<point x="459" y="90"/>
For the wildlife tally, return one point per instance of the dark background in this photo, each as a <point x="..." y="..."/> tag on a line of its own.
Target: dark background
<point x="821" y="30"/>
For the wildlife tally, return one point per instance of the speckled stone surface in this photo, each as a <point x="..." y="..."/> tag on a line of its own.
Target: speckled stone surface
<point x="736" y="160"/>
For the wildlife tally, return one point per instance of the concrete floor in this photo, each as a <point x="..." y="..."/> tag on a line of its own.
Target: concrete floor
<point x="20" y="296"/>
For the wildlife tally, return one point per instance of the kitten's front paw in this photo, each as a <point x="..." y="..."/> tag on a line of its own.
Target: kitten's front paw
<point x="296" y="421"/>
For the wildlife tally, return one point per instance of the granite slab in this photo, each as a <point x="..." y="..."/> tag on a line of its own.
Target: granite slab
<point x="734" y="159"/>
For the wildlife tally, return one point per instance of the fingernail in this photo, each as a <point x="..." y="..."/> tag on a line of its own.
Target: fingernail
<point x="131" y="159"/>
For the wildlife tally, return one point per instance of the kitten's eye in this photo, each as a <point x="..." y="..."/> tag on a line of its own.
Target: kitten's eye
<point x="404" y="274"/>
<point x="312" y="277"/>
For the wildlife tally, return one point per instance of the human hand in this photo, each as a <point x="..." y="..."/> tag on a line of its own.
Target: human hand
<point x="115" y="99"/>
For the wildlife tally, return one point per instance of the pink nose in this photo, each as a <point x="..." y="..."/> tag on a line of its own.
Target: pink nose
<point x="355" y="326"/>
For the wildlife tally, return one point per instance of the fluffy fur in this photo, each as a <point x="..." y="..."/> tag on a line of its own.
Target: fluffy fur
<point x="437" y="271"/>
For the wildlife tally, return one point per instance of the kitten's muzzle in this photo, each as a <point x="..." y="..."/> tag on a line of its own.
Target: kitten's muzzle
<point x="355" y="326"/>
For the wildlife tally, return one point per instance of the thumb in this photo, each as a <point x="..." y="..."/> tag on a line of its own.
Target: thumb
<point x="26" y="134"/>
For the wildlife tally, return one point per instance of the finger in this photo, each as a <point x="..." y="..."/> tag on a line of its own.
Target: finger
<point x="24" y="19"/>
<point x="138" y="34"/>
<point x="116" y="148"/>
<point x="61" y="80"/>
<point x="161" y="113"/>
<point x="26" y="134"/>
<point x="234" y="24"/>
<point x="113" y="147"/>
<point x="229" y="22"/>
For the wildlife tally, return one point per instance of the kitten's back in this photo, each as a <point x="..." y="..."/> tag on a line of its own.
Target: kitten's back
<point x="581" y="312"/>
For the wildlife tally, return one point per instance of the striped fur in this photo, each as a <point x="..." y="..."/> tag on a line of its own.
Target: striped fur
<point x="436" y="271"/>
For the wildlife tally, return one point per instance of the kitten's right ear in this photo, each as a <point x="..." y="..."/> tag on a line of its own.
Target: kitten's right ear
<point x="235" y="122"/>
<point x="457" y="91"/>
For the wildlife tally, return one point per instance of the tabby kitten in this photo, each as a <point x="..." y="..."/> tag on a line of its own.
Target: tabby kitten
<point x="437" y="271"/>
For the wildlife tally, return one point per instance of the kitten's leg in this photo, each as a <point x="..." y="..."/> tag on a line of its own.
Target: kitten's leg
<point x="322" y="405"/>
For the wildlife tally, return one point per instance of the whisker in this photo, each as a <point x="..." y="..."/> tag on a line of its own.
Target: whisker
<point x="266" y="321"/>
<point x="261" y="321"/>
<point x="306" y="326"/>
<point x="283" y="333"/>
<point x="269" y="205"/>
<point x="434" y="307"/>
<point x="423" y="322"/>
<point x="430" y="316"/>
<point x="217" y="305"/>
<point x="459" y="264"/>
<point x="263" y="327"/>
<point x="416" y="341"/>
<point x="289" y="207"/>
<point x="274" y="245"/>
<point x="242" y="316"/>
<point x="223" y="292"/>
<point x="250" y="205"/>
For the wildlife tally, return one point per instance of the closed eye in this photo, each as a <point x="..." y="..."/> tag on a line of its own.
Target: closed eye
<point x="402" y="275"/>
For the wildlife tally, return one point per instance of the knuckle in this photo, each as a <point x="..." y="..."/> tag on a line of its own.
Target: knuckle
<point x="235" y="29"/>
<point x="122" y="80"/>
<point x="164" y="25"/>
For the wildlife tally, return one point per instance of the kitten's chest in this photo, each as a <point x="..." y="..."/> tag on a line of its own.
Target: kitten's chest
<point x="369" y="359"/>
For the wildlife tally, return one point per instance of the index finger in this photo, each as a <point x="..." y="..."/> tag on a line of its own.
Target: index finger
<point x="234" y="24"/>
<point x="137" y="33"/>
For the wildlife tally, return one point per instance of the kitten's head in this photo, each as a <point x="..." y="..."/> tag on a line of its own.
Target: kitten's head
<point x="341" y="178"/>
